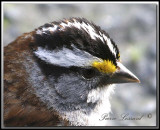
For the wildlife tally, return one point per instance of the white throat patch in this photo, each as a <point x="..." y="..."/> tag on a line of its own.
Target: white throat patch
<point x="78" y="118"/>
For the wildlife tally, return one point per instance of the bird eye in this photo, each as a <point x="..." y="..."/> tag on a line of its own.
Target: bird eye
<point x="88" y="73"/>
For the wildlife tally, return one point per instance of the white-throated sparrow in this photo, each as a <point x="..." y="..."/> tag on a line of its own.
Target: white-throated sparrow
<point x="61" y="74"/>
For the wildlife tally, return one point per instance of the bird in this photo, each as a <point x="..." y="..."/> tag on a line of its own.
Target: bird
<point x="61" y="74"/>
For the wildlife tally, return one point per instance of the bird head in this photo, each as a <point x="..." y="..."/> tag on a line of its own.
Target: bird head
<point x="75" y="57"/>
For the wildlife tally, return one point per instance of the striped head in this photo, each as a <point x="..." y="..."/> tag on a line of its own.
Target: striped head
<point x="78" y="59"/>
<point x="77" y="42"/>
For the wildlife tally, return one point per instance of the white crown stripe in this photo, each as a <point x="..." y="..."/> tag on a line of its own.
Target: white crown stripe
<point x="110" y="45"/>
<point x="87" y="27"/>
<point x="84" y="26"/>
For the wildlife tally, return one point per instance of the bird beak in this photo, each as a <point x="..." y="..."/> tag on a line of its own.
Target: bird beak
<point x="123" y="75"/>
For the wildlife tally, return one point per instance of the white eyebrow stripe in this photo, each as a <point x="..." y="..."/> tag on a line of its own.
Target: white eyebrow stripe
<point x="66" y="57"/>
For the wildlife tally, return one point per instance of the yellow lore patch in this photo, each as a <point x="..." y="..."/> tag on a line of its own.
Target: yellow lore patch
<point x="105" y="66"/>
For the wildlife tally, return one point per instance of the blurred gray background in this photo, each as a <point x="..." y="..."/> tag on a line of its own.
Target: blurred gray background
<point x="133" y="28"/>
